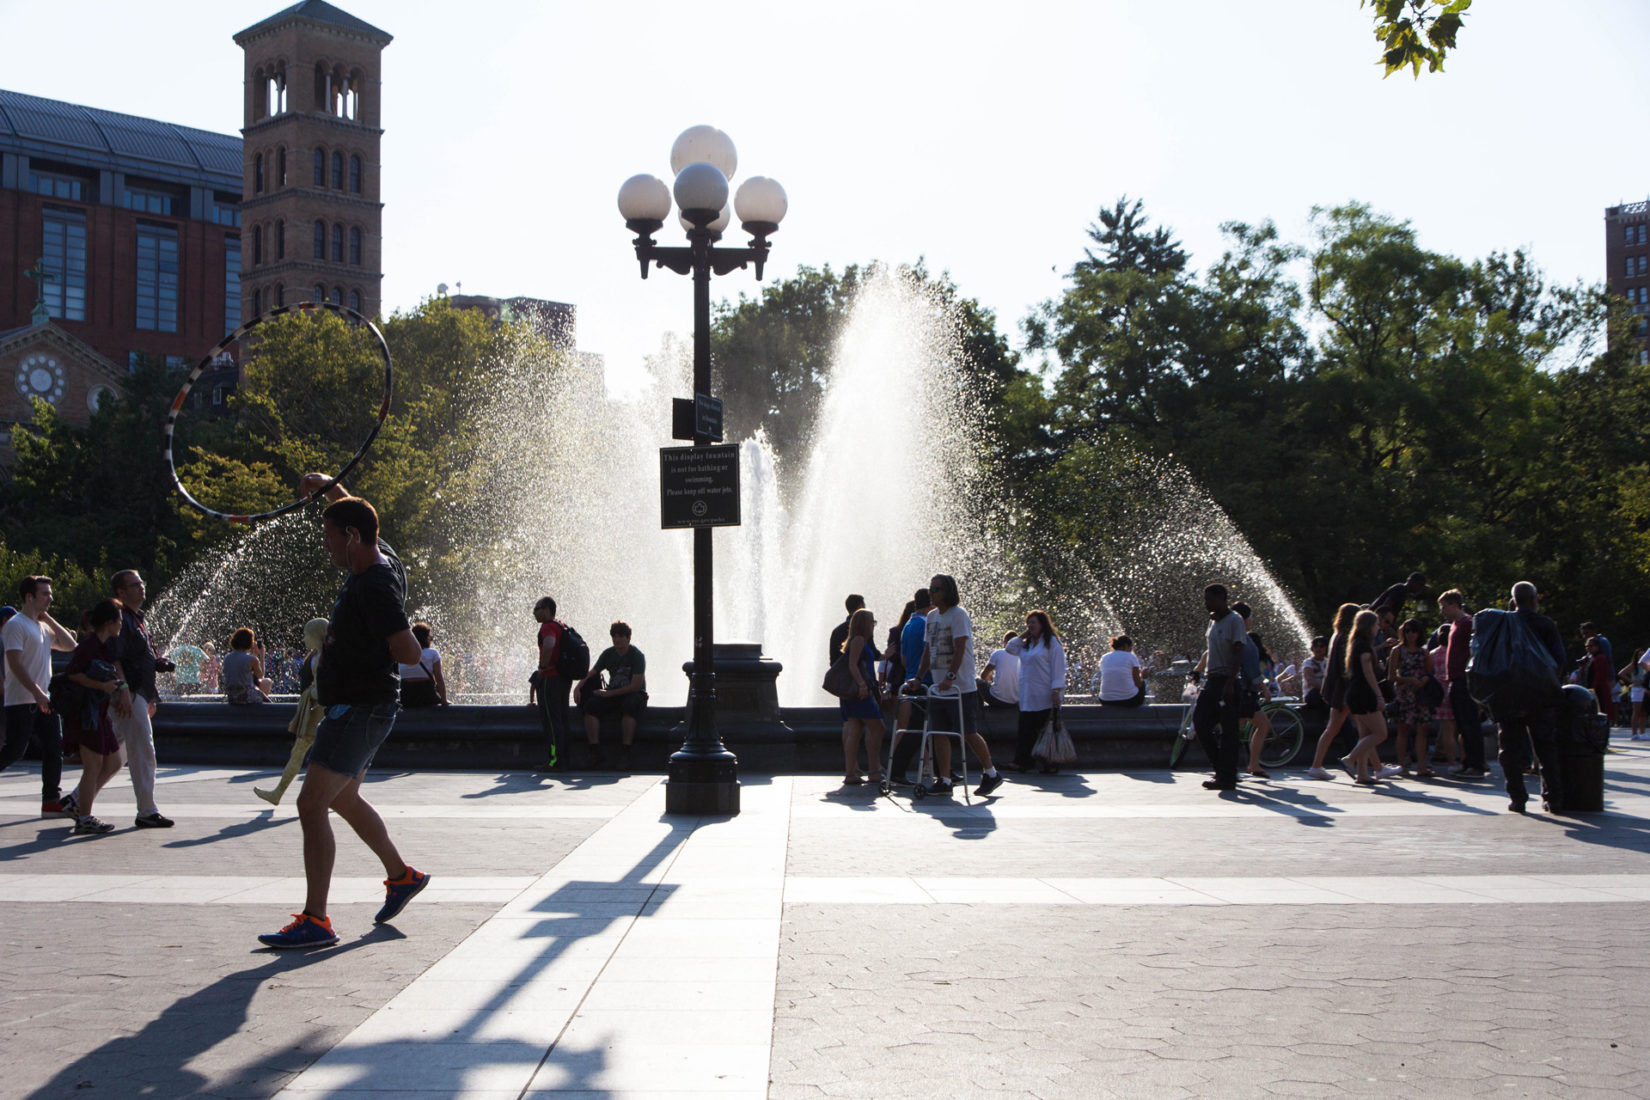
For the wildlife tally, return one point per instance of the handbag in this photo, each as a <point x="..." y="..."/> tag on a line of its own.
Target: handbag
<point x="839" y="680"/>
<point x="1430" y="693"/>
<point x="1054" y="745"/>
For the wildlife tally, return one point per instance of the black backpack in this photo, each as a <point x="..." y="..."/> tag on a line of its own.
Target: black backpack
<point x="572" y="656"/>
<point x="1511" y="670"/>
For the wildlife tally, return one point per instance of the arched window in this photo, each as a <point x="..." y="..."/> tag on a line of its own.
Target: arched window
<point x="280" y="167"/>
<point x="257" y="303"/>
<point x="323" y="88"/>
<point x="355" y="175"/>
<point x="355" y="245"/>
<point x="320" y="167"/>
<point x="320" y="240"/>
<point x="320" y="293"/>
<point x="355" y="300"/>
<point x="280" y="240"/>
<point x="260" y="102"/>
<point x="337" y="171"/>
<point x="258" y="174"/>
<point x="257" y="245"/>
<point x="275" y="92"/>
<point x="351" y="105"/>
<point x="337" y="243"/>
<point x="337" y="295"/>
<point x="280" y="295"/>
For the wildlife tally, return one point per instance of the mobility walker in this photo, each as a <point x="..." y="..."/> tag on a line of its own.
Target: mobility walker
<point x="927" y="700"/>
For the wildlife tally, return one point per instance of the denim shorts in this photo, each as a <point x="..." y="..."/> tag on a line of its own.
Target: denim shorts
<point x="348" y="736"/>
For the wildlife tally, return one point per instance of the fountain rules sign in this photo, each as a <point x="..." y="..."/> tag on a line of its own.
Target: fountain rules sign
<point x="699" y="486"/>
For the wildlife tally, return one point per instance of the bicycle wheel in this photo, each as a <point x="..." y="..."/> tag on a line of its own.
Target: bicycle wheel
<point x="1180" y="738"/>
<point x="1286" y="736"/>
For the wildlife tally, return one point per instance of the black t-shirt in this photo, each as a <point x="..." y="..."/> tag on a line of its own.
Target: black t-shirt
<point x="620" y="670"/>
<point x="838" y="636"/>
<point x="131" y="647"/>
<point x="356" y="666"/>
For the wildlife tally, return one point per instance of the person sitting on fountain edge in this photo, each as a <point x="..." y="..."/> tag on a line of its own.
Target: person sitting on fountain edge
<point x="624" y="695"/>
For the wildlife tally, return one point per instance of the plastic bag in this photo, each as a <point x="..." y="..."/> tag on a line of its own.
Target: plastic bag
<point x="1054" y="745"/>
<point x="1510" y="670"/>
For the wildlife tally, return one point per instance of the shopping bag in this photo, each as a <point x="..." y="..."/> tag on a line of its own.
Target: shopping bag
<point x="1054" y="745"/>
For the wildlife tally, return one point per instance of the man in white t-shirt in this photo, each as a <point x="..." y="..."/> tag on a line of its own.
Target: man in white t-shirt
<point x="1122" y="676"/>
<point x="29" y="638"/>
<point x="1000" y="685"/>
<point x="948" y="653"/>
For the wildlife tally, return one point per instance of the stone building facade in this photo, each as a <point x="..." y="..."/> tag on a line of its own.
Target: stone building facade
<point x="1627" y="264"/>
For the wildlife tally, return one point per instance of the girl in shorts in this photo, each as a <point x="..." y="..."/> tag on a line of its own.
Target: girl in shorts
<point x="1364" y="701"/>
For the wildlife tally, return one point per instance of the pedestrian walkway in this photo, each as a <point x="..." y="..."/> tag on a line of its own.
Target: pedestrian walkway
<point x="1101" y="934"/>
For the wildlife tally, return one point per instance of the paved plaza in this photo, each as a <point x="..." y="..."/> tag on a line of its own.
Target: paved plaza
<point x="1092" y="935"/>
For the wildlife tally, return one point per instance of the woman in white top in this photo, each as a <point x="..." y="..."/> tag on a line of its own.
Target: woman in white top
<point x="422" y="684"/>
<point x="1042" y="684"/>
<point x="1122" y="676"/>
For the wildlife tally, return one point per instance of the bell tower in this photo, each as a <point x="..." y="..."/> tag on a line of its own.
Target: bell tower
<point x="311" y="215"/>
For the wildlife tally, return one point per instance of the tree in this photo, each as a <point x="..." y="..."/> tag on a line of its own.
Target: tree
<point x="1416" y="32"/>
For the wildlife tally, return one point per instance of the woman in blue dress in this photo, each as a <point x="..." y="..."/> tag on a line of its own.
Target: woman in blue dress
<point x="861" y="716"/>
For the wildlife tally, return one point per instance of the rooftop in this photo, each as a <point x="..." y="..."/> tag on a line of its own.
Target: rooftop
<point x="317" y="11"/>
<point x="107" y="139"/>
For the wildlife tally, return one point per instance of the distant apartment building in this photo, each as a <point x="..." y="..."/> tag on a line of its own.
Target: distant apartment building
<point x="1627" y="264"/>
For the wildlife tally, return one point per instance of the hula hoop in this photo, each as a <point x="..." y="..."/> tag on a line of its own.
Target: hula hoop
<point x="222" y="345"/>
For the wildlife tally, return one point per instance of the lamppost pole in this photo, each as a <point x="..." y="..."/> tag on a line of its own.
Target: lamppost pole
<point x="703" y="776"/>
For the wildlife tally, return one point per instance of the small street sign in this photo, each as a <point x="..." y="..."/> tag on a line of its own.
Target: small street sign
<point x="699" y="486"/>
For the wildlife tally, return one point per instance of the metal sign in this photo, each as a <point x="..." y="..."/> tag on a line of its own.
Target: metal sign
<point x="699" y="486"/>
<point x="707" y="416"/>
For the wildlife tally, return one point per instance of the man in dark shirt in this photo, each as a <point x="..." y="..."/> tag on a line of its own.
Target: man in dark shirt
<point x="358" y="684"/>
<point x="1397" y="595"/>
<point x="1536" y="724"/>
<point x="840" y="634"/>
<point x="1457" y="653"/>
<point x="133" y="708"/>
<point x="625" y="693"/>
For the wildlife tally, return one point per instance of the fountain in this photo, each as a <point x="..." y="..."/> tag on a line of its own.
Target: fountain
<point x="890" y="493"/>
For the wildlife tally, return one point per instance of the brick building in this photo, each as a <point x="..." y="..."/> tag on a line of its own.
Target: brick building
<point x="312" y="220"/>
<point x="1627" y="264"/>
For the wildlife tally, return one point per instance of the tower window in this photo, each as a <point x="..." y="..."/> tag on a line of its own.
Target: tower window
<point x="337" y="171"/>
<point x="355" y="300"/>
<point x="320" y="167"/>
<point x="280" y="167"/>
<point x="355" y="178"/>
<point x="355" y="245"/>
<point x="257" y="245"/>
<point x="337" y="295"/>
<point x="280" y="295"/>
<point x="280" y="240"/>
<point x="337" y="243"/>
<point x="257" y="303"/>
<point x="320" y="240"/>
<point x="275" y="92"/>
<point x="258" y="174"/>
<point x="320" y="293"/>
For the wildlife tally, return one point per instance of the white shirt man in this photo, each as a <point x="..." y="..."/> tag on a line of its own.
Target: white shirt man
<point x="1002" y="678"/>
<point x="29" y="638"/>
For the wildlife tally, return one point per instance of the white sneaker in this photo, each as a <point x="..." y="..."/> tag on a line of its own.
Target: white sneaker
<point x="1319" y="773"/>
<point x="1388" y="771"/>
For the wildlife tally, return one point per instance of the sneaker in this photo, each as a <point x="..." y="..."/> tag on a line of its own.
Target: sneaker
<point x="1319" y="773"/>
<point x="70" y="805"/>
<point x="988" y="783"/>
<point x="154" y="821"/>
<point x="1515" y="807"/>
<point x="940" y="787"/>
<point x="54" y="808"/>
<point x="1471" y="773"/>
<point x="1389" y="770"/>
<point x="398" y="893"/>
<point x="91" y="826"/>
<point x="304" y="931"/>
<point x="1220" y="784"/>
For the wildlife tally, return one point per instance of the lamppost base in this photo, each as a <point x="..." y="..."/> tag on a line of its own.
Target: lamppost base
<point x="702" y="784"/>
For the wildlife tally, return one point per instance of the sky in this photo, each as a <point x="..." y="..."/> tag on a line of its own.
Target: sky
<point x="982" y="139"/>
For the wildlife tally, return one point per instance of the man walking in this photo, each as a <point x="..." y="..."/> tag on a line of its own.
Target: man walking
<point x="358" y="684"/>
<point x="29" y="638"/>
<point x="135" y="704"/>
<point x="1457" y="653"/>
<point x="1217" y="700"/>
<point x="1533" y="725"/>
<point x="948" y="653"/>
<point x="552" y="690"/>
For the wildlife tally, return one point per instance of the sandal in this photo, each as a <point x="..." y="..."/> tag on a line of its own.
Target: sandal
<point x="852" y="781"/>
<point x="1260" y="773"/>
<point x="1426" y="773"/>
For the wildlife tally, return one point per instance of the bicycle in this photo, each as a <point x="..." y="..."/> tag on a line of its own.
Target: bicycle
<point x="1281" y="744"/>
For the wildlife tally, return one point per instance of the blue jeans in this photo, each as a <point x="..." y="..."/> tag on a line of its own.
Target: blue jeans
<point x="348" y="737"/>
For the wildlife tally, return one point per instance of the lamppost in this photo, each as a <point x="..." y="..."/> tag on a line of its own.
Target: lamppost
<point x="703" y="776"/>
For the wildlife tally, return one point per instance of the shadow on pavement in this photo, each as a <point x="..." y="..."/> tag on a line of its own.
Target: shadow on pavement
<point x="265" y="820"/>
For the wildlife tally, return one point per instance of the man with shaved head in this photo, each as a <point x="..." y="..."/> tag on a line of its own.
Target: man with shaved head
<point x="1533" y="725"/>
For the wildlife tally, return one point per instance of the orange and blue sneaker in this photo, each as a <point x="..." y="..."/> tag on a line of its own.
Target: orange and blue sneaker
<point x="398" y="892"/>
<point x="304" y="931"/>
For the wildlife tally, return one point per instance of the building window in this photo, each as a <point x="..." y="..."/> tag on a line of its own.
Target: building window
<point x="320" y="293"/>
<point x="148" y="200"/>
<point x="337" y="171"/>
<point x="280" y="240"/>
<point x="226" y="208"/>
<point x="1644" y="358"/>
<point x="337" y="295"/>
<point x="280" y="295"/>
<point x="1644" y="264"/>
<point x="355" y="300"/>
<point x="56" y="185"/>
<point x="337" y="243"/>
<point x="275" y="91"/>
<point x="257" y="303"/>
<point x="157" y="278"/>
<point x="1641" y="229"/>
<point x="280" y="167"/>
<point x="257" y="246"/>
<point x="355" y="246"/>
<point x="63" y="248"/>
<point x="355" y="177"/>
<point x="258" y="174"/>
<point x="320" y="249"/>
<point x="231" y="284"/>
<point x="320" y="167"/>
<point x="217" y="395"/>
